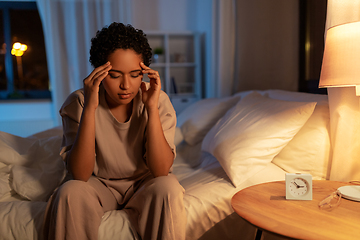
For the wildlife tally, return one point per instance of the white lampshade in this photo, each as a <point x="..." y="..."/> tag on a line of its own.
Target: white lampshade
<point x="341" y="60"/>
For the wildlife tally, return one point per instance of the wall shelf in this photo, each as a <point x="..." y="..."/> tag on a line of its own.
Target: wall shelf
<point x="180" y="67"/>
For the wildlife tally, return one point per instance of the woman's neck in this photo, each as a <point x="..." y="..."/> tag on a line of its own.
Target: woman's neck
<point x="122" y="113"/>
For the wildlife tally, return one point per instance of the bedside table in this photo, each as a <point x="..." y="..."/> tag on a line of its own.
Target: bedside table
<point x="265" y="206"/>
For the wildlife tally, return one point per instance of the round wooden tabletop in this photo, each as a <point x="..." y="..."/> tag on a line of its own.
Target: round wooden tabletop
<point x="265" y="206"/>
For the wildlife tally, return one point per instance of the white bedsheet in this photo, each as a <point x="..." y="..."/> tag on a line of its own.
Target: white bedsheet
<point x="207" y="202"/>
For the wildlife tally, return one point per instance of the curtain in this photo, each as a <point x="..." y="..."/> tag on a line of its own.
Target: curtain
<point x="68" y="28"/>
<point x="267" y="45"/>
<point x="344" y="105"/>
<point x="224" y="47"/>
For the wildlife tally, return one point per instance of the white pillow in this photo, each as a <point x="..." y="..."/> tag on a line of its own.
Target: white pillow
<point x="197" y="119"/>
<point x="252" y="133"/>
<point x="309" y="150"/>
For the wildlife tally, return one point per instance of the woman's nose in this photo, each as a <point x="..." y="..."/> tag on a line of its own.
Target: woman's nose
<point x="125" y="82"/>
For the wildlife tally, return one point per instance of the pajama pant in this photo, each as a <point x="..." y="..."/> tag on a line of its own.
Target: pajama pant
<point x="155" y="208"/>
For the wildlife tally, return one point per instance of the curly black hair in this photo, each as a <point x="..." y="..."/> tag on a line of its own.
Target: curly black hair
<point x="118" y="36"/>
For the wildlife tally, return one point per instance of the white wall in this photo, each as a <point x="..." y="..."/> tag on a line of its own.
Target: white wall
<point x="164" y="15"/>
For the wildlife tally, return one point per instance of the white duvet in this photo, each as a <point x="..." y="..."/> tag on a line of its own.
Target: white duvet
<point x="30" y="167"/>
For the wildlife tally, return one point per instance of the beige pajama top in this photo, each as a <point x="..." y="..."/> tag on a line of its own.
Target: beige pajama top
<point x="120" y="147"/>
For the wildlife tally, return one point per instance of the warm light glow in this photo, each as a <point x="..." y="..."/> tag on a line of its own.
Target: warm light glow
<point x="341" y="61"/>
<point x="17" y="52"/>
<point x="18" y="49"/>
<point x="23" y="47"/>
<point x="17" y="45"/>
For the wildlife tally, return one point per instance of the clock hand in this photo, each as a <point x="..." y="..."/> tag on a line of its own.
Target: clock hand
<point x="297" y="186"/>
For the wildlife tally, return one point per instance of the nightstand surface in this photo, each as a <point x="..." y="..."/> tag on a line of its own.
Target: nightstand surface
<point x="265" y="206"/>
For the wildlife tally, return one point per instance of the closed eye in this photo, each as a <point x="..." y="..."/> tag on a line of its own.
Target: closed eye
<point x="115" y="75"/>
<point x="135" y="74"/>
<point x="118" y="74"/>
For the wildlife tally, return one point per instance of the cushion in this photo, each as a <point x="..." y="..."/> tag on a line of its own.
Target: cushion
<point x="197" y="119"/>
<point x="252" y="133"/>
<point x="309" y="150"/>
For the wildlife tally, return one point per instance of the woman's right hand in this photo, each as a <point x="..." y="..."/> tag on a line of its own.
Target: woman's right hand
<point x="92" y="83"/>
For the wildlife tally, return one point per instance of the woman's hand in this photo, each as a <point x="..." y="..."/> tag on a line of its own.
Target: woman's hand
<point x="81" y="158"/>
<point x="92" y="83"/>
<point x="150" y="97"/>
<point x="159" y="156"/>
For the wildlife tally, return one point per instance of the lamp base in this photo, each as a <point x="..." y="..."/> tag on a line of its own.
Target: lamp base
<point x="357" y="90"/>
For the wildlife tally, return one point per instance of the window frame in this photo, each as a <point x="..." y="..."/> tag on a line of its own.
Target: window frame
<point x="23" y="94"/>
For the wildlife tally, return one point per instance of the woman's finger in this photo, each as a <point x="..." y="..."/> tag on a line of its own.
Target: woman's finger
<point x="150" y="71"/>
<point x="100" y="68"/>
<point x="146" y="69"/>
<point x="152" y="74"/>
<point x="98" y="71"/>
<point x="143" y="66"/>
<point x="99" y="79"/>
<point x="102" y="72"/>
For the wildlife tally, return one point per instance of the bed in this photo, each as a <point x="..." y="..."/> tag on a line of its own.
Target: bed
<point x="223" y="146"/>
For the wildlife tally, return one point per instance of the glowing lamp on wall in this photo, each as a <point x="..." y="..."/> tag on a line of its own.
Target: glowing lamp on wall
<point x="341" y="60"/>
<point x="18" y="49"/>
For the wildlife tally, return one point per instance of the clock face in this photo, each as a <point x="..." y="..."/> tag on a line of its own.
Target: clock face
<point x="298" y="187"/>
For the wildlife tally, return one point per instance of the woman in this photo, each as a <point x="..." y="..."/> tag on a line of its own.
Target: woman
<point x="118" y="146"/>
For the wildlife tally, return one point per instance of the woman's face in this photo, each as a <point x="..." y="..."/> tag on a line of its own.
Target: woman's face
<point x="124" y="78"/>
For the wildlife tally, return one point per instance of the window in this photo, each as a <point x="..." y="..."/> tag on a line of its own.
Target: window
<point x="23" y="76"/>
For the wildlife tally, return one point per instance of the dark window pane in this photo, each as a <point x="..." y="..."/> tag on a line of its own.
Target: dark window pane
<point x="30" y="69"/>
<point x="3" y="84"/>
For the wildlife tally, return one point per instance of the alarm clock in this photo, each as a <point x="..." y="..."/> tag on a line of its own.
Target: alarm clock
<point x="298" y="186"/>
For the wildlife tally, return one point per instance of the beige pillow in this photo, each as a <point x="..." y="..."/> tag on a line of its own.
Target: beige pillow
<point x="309" y="150"/>
<point x="197" y="119"/>
<point x="252" y="133"/>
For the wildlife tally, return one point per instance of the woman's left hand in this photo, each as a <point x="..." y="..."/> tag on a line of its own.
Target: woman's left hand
<point x="150" y="97"/>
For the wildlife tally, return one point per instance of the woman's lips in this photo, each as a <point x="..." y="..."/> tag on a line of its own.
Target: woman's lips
<point x="124" y="96"/>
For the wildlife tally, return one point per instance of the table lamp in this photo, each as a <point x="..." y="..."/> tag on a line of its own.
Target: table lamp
<point x="341" y="60"/>
<point x="340" y="73"/>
